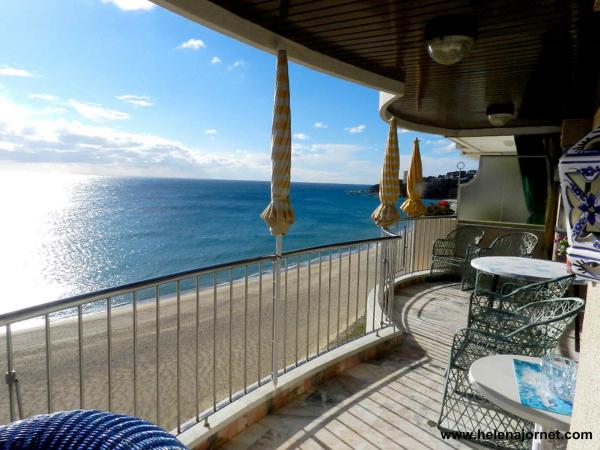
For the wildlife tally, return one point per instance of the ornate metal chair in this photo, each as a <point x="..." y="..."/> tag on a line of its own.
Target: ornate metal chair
<point x="512" y="244"/>
<point x="449" y="253"/>
<point x="533" y="329"/>
<point x="486" y="308"/>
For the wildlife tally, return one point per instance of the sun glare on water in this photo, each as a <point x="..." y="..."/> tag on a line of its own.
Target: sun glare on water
<point x="33" y="205"/>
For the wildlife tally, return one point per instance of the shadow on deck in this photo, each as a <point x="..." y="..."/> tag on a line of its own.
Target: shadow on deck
<point x="387" y="403"/>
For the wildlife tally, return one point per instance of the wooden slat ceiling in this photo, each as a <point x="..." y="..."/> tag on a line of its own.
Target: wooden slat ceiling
<point x="542" y="55"/>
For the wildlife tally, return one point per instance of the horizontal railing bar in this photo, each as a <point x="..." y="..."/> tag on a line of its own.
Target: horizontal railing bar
<point x="81" y="299"/>
<point x="441" y="217"/>
<point x="336" y="245"/>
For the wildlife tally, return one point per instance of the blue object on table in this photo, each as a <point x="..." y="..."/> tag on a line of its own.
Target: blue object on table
<point x="85" y="429"/>
<point x="534" y="390"/>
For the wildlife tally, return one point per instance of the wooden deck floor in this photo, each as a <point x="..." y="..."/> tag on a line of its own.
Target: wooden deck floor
<point x="388" y="403"/>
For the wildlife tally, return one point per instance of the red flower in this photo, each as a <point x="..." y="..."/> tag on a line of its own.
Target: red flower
<point x="444" y="204"/>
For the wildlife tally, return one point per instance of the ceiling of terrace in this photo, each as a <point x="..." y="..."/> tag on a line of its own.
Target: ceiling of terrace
<point x="541" y="55"/>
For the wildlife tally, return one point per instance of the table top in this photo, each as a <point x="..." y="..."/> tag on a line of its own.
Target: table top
<point x="494" y="377"/>
<point x="520" y="268"/>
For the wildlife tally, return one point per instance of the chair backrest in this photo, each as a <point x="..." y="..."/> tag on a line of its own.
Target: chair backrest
<point x="547" y="321"/>
<point x="514" y="244"/>
<point x="463" y="237"/>
<point x="544" y="290"/>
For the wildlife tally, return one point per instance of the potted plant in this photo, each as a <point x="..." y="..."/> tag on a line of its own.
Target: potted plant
<point x="441" y="208"/>
<point x="561" y="244"/>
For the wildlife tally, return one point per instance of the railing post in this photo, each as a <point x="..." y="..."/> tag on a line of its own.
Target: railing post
<point x="276" y="297"/>
<point x="413" y="245"/>
<point x="382" y="277"/>
<point x="11" y="379"/>
<point x="404" y="246"/>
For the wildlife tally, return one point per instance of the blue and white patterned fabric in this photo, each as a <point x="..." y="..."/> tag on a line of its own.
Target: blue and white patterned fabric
<point x="85" y="430"/>
<point x="579" y="170"/>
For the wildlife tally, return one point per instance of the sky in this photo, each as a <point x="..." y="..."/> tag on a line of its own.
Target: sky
<point x="124" y="87"/>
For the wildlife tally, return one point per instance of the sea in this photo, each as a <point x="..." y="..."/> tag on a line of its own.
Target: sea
<point x="62" y="235"/>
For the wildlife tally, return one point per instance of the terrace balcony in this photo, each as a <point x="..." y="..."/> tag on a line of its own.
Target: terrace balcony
<point x="351" y="355"/>
<point x="391" y="401"/>
<point x="348" y="349"/>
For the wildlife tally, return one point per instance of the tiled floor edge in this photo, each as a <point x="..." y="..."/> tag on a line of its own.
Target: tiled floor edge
<point x="234" y="418"/>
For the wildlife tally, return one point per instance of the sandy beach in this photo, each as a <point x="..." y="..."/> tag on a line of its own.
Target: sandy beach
<point x="313" y="318"/>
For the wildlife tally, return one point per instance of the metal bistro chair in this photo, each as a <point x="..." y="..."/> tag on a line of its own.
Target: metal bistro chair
<point x="532" y="330"/>
<point x="85" y="429"/>
<point x="513" y="244"/>
<point x="486" y="308"/>
<point x="449" y="253"/>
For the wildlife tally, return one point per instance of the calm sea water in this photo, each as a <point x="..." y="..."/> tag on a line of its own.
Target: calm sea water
<point x="65" y="235"/>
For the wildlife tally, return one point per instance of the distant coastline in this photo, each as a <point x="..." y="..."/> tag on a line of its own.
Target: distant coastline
<point x="434" y="187"/>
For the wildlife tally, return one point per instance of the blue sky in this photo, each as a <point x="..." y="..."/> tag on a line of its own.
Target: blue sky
<point x="122" y="87"/>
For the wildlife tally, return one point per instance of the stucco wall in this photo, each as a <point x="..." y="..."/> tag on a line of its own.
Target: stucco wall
<point x="586" y="411"/>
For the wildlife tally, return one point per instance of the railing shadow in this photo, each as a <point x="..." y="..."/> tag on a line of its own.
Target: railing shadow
<point x="389" y="402"/>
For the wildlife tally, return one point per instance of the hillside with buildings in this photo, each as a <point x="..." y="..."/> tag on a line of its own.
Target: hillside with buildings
<point x="435" y="187"/>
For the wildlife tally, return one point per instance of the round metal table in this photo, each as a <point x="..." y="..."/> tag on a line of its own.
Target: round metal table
<point x="494" y="378"/>
<point x="518" y="268"/>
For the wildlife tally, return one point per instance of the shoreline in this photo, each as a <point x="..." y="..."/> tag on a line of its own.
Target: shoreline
<point x="254" y="276"/>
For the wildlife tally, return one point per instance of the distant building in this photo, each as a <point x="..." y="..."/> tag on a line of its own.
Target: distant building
<point x="436" y="186"/>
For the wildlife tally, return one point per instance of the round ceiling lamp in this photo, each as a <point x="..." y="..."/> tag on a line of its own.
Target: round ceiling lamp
<point x="450" y="38"/>
<point x="500" y="114"/>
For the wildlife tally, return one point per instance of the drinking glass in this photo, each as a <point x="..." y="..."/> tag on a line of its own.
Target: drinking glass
<point x="561" y="374"/>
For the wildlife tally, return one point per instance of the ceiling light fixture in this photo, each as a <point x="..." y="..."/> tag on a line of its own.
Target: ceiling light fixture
<point x="500" y="114"/>
<point x="450" y="38"/>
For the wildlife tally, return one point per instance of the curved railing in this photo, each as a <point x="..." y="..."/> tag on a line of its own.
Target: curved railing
<point x="418" y="235"/>
<point x="178" y="348"/>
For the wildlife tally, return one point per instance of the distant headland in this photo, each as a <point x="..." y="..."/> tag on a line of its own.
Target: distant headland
<point x="434" y="187"/>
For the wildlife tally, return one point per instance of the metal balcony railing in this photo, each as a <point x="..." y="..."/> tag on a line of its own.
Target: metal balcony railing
<point x="176" y="349"/>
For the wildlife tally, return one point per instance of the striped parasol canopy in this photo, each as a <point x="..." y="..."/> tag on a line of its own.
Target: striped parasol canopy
<point x="386" y="213"/>
<point x="413" y="205"/>
<point x="279" y="215"/>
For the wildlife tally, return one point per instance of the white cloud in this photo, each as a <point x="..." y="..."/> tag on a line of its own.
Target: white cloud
<point x="403" y="130"/>
<point x="50" y="110"/>
<point x="210" y="131"/>
<point x="96" y="112"/>
<point x="356" y="129"/>
<point x="192" y="44"/>
<point x="13" y="72"/>
<point x="132" y="5"/>
<point x="300" y="136"/>
<point x="136" y="100"/>
<point x="30" y="139"/>
<point x="216" y="60"/>
<point x="333" y="162"/>
<point x="60" y="145"/>
<point x="436" y="142"/>
<point x="320" y="125"/>
<point x="237" y="64"/>
<point x="46" y="97"/>
<point x="441" y="146"/>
